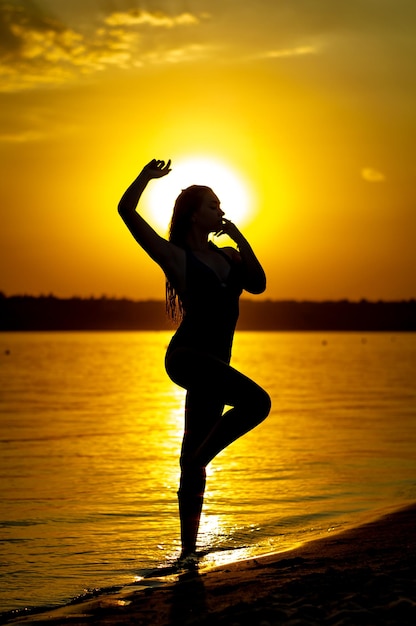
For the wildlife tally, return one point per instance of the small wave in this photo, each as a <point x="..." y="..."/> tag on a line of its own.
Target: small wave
<point x="63" y="437"/>
<point x="15" y="523"/>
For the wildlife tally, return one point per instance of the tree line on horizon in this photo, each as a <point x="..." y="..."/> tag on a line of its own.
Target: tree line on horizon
<point x="44" y="313"/>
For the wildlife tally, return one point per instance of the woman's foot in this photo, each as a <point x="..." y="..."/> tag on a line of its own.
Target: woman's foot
<point x="188" y="560"/>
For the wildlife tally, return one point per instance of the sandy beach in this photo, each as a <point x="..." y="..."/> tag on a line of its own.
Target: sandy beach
<point x="366" y="575"/>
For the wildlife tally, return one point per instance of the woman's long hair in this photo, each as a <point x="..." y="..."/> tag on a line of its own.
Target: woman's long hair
<point x="188" y="201"/>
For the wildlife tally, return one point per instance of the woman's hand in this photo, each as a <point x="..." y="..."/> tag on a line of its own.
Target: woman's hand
<point x="230" y="229"/>
<point x="156" y="169"/>
<point x="254" y="276"/>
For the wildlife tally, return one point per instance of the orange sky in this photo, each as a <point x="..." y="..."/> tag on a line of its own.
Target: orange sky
<point x="311" y="104"/>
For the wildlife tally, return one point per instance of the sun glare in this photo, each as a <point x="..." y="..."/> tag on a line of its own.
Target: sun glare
<point x="227" y="184"/>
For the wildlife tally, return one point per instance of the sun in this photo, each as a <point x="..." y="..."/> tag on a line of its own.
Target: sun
<point x="234" y="194"/>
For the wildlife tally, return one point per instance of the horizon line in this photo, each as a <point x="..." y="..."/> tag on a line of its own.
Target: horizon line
<point x="246" y="299"/>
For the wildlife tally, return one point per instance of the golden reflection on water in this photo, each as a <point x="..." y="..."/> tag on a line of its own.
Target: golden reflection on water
<point x="307" y="451"/>
<point x="90" y="437"/>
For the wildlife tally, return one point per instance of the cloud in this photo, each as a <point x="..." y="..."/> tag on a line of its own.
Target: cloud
<point x="38" y="51"/>
<point x="58" y="56"/>
<point x="355" y="40"/>
<point x="286" y="52"/>
<point x="191" y="52"/>
<point x="137" y="17"/>
<point x="34" y="123"/>
<point x="21" y="137"/>
<point x="371" y="175"/>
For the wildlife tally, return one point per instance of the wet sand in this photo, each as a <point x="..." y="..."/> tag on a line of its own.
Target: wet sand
<point x="363" y="576"/>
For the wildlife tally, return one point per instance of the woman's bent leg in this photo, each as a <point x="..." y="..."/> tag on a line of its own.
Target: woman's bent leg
<point x="211" y="383"/>
<point x="236" y="422"/>
<point x="213" y="378"/>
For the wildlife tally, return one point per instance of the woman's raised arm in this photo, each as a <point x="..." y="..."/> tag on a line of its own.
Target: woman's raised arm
<point x="168" y="256"/>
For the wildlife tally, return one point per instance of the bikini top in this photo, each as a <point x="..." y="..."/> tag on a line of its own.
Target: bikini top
<point x="203" y="284"/>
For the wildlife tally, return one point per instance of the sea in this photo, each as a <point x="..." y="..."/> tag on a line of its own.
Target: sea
<point x="90" y="435"/>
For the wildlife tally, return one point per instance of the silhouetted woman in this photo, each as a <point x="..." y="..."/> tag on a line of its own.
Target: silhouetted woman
<point x="203" y="286"/>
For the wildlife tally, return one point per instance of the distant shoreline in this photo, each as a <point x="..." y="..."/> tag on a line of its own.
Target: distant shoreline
<point x="46" y="313"/>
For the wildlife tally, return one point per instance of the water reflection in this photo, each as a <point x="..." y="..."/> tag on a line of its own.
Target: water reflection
<point x="90" y="437"/>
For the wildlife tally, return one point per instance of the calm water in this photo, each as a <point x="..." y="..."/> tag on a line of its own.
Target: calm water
<point x="90" y="431"/>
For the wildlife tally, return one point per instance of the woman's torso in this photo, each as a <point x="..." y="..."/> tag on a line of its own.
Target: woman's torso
<point x="210" y="303"/>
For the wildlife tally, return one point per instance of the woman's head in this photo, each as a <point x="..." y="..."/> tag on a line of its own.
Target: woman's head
<point x="196" y="206"/>
<point x="188" y="210"/>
